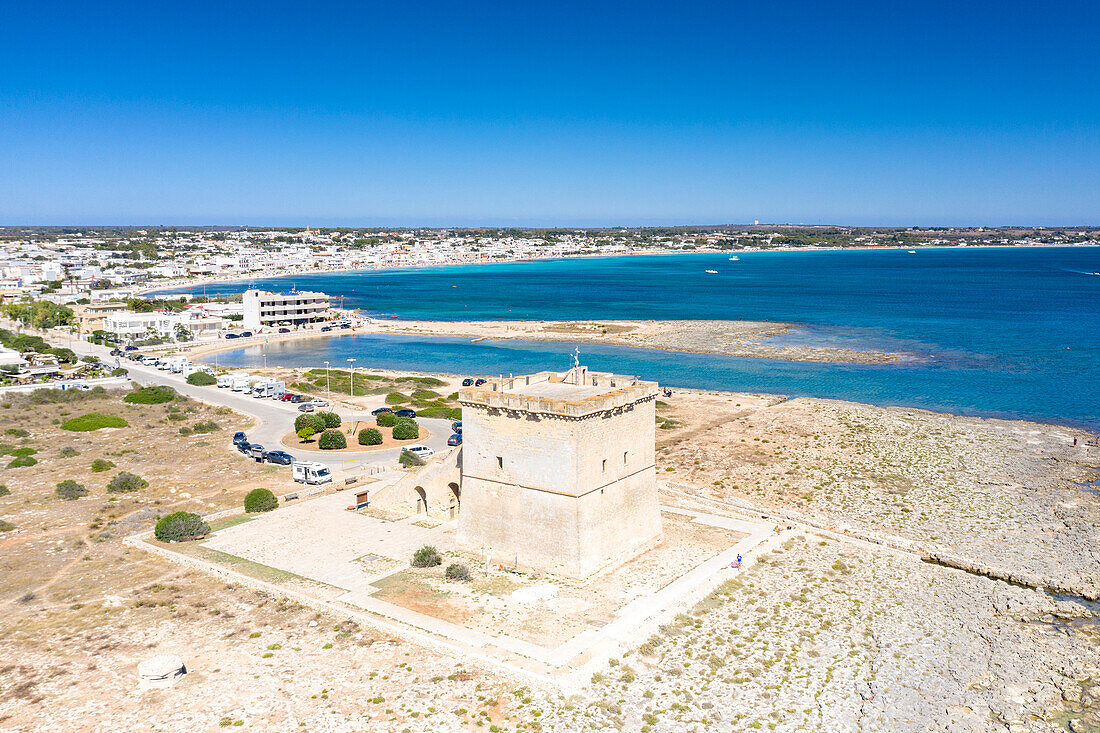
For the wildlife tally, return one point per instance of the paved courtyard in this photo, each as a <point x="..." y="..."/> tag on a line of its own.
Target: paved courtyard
<point x="319" y="539"/>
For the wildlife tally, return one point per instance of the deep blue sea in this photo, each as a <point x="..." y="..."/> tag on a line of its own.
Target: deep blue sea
<point x="1008" y="332"/>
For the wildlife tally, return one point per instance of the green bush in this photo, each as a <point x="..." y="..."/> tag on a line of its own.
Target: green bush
<point x="332" y="440"/>
<point x="154" y="395"/>
<point x="100" y="465"/>
<point x="201" y="379"/>
<point x="70" y="490"/>
<point x="119" y="372"/>
<point x="396" y="398"/>
<point x="260" y="500"/>
<point x="16" y="432"/>
<point x="6" y="526"/>
<point x="406" y="430"/>
<point x="206" y="426"/>
<point x="23" y="462"/>
<point x="93" y="421"/>
<point x="456" y="571"/>
<point x="126" y="482"/>
<point x="305" y="432"/>
<point x="409" y="459"/>
<point x="313" y="420"/>
<point x="69" y="452"/>
<point x="370" y="436"/>
<point x="385" y="419"/>
<point x="180" y="526"/>
<point x="331" y="419"/>
<point x="426" y="557"/>
<point x="4" y="490"/>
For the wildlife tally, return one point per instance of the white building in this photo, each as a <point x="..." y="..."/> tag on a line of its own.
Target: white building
<point x="265" y="308"/>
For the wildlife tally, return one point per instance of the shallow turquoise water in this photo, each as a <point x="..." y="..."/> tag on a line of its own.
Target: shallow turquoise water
<point x="1011" y="332"/>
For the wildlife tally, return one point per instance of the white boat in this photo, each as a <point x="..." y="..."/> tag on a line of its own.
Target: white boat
<point x="712" y="272"/>
<point x="735" y="258"/>
<point x="912" y="251"/>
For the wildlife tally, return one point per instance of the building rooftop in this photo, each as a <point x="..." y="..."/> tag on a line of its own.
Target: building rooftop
<point x="575" y="393"/>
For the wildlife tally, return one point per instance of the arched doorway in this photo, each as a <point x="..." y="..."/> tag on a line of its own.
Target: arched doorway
<point x="456" y="500"/>
<point x="421" y="500"/>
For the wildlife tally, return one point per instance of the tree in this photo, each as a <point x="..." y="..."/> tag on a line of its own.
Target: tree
<point x="332" y="440"/>
<point x="370" y="436"/>
<point x="385" y="419"/>
<point x="69" y="489"/>
<point x="305" y="432"/>
<point x="260" y="500"/>
<point x="314" y="421"/>
<point x="331" y="419"/>
<point x="201" y="379"/>
<point x="125" y="482"/>
<point x="408" y="458"/>
<point x="405" y="429"/>
<point x="455" y="571"/>
<point x="180" y="526"/>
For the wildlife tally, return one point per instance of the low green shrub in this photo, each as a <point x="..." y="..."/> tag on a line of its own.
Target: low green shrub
<point x="305" y="432"/>
<point x="206" y="426"/>
<point x="100" y="465"/>
<point x="260" y="500"/>
<point x="426" y="557"/>
<point x="443" y="413"/>
<point x="331" y="419"/>
<point x="406" y="430"/>
<point x="370" y="436"/>
<point x="16" y="432"/>
<point x="385" y="419"/>
<point x="23" y="462"/>
<point x="68" y="452"/>
<point x="6" y="526"/>
<point x="180" y="526"/>
<point x="201" y="379"/>
<point x="396" y="398"/>
<point x="152" y="395"/>
<point x="409" y="459"/>
<point x="93" y="421"/>
<point x="4" y="490"/>
<point x="455" y="571"/>
<point x="125" y="482"/>
<point x="332" y="440"/>
<point x="119" y="372"/>
<point x="69" y="489"/>
<point x="313" y="420"/>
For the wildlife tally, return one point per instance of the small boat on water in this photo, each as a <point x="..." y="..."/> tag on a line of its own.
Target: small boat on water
<point x="735" y="258"/>
<point x="912" y="251"/>
<point x="712" y="272"/>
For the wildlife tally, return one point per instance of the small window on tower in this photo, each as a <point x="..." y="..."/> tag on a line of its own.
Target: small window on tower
<point x="605" y="464"/>
<point x="500" y="461"/>
<point x="624" y="457"/>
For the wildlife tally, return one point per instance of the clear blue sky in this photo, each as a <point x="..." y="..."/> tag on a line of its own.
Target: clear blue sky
<point x="550" y="113"/>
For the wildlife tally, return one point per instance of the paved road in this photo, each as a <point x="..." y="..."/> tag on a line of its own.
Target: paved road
<point x="276" y="419"/>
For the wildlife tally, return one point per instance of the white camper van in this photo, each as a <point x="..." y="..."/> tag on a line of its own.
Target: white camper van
<point x="311" y="472"/>
<point x="241" y="382"/>
<point x="225" y="381"/>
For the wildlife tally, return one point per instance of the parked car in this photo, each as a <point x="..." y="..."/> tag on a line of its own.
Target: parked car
<point x="130" y="347"/>
<point x="280" y="457"/>
<point x="239" y="437"/>
<point x="380" y="410"/>
<point x="306" y="407"/>
<point x="299" y="398"/>
<point x="284" y="330"/>
<point x="245" y="334"/>
<point x="405" y="412"/>
<point x="318" y="402"/>
<point x="422" y="451"/>
<point x="244" y="447"/>
<point x="287" y="397"/>
<point x="479" y="382"/>
<point x="257" y="451"/>
<point x="326" y="328"/>
<point x="456" y="427"/>
<point x="232" y="336"/>
<point x="455" y="439"/>
<point x="467" y="382"/>
<point x="116" y="352"/>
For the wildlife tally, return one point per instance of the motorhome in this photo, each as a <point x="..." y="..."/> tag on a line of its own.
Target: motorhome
<point x="241" y="382"/>
<point x="225" y="381"/>
<point x="181" y="366"/>
<point x="311" y="472"/>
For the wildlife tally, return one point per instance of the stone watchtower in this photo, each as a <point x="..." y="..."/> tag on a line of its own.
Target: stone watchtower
<point x="557" y="471"/>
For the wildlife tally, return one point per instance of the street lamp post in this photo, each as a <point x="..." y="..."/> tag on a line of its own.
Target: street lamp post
<point x="352" y="391"/>
<point x="327" y="387"/>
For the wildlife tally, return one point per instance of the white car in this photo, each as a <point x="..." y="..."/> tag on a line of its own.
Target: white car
<point x="422" y="451"/>
<point x="318" y="402"/>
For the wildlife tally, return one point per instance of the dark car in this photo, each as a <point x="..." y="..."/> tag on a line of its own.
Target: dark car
<point x="280" y="456"/>
<point x="130" y="347"/>
<point x="116" y="352"/>
<point x="244" y="447"/>
<point x="406" y="412"/>
<point x="299" y="398"/>
<point x="467" y="382"/>
<point x="284" y="330"/>
<point x="245" y="334"/>
<point x="326" y="328"/>
<point x="455" y="439"/>
<point x="380" y="410"/>
<point x="456" y="427"/>
<point x="239" y="437"/>
<point x="232" y="336"/>
<point x="305" y="408"/>
<point x="479" y="382"/>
